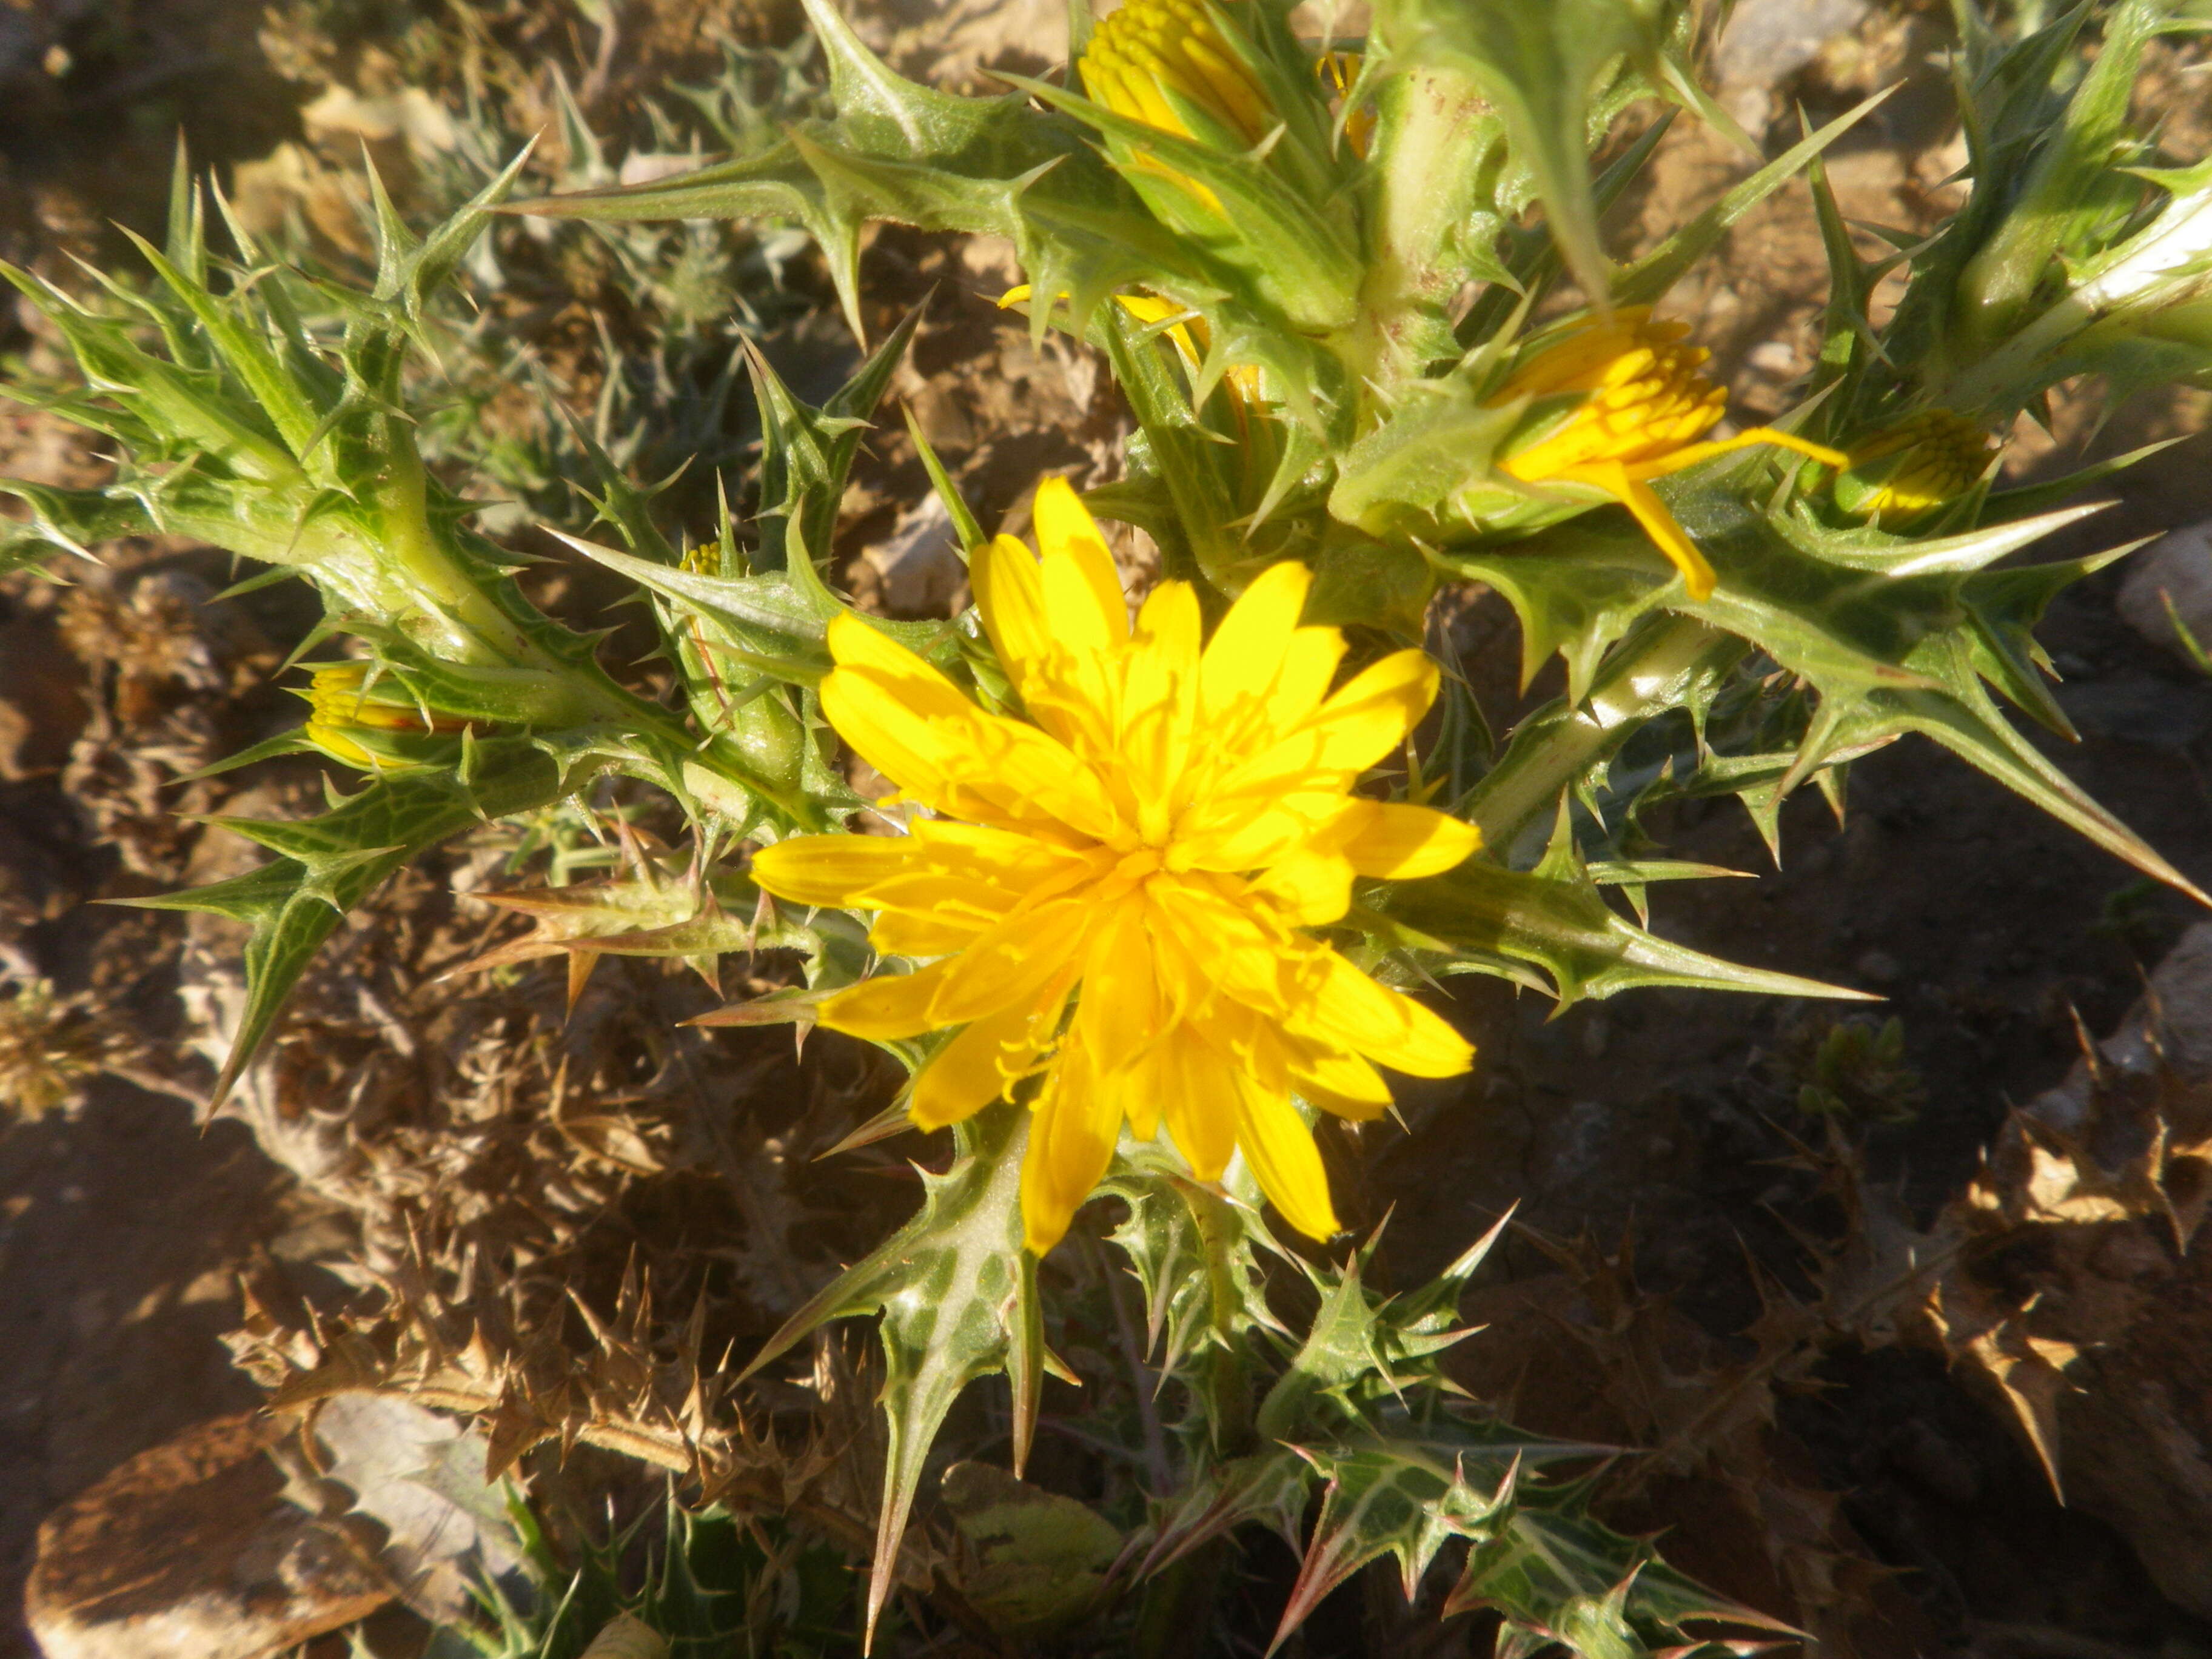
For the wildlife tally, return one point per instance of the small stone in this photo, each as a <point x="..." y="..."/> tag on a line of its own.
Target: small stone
<point x="1767" y="41"/>
<point x="191" y="1550"/>
<point x="1773" y="357"/>
<point x="914" y="572"/>
<point x="1879" y="967"/>
<point x="2176" y="568"/>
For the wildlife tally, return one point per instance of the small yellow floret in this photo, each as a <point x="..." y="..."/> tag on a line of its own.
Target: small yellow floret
<point x="1149" y="49"/>
<point x="1941" y="455"/>
<point x="1643" y="410"/>
<point x="1117" y="890"/>
<point x="341" y="701"/>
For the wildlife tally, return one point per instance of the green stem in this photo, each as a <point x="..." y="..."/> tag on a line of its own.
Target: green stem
<point x="478" y="630"/>
<point x="1654" y="670"/>
<point x="1429" y="142"/>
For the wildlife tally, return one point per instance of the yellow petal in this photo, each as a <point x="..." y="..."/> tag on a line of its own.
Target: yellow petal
<point x="1072" y="1137"/>
<point x="1339" y="1082"/>
<point x="1083" y="587"/>
<point x="888" y="1007"/>
<point x="1035" y="776"/>
<point x="1367" y="718"/>
<point x="1313" y="885"/>
<point x="1658" y="523"/>
<point x="906" y="720"/>
<point x="1149" y="307"/>
<point x="829" y="869"/>
<point x="1242" y="659"/>
<point x="1197" y="1091"/>
<point x="1357" y="727"/>
<point x="1690" y="454"/>
<point x="1014" y="962"/>
<point x="1159" y="712"/>
<point x="960" y="760"/>
<point x="1120" y="1014"/>
<point x="1309" y="662"/>
<point x="973" y="1070"/>
<point x="1400" y="843"/>
<point x="899" y="933"/>
<point x="1220" y="948"/>
<point x="1284" y="1160"/>
<point x="1351" y="1010"/>
<point x="1009" y="599"/>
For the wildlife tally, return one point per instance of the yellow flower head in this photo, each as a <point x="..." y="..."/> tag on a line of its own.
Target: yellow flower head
<point x="1150" y="52"/>
<point x="343" y="707"/>
<point x="1640" y="408"/>
<point x="1116" y="891"/>
<point x="1933" y="457"/>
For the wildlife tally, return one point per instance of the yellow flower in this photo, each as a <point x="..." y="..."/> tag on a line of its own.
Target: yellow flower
<point x="1150" y="53"/>
<point x="1934" y="456"/>
<point x="1642" y="409"/>
<point x="1116" y="891"/>
<point x="343" y="708"/>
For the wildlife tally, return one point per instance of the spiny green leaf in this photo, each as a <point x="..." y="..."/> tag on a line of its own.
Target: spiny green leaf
<point x="1491" y="919"/>
<point x="330" y="863"/>
<point x="1541" y="67"/>
<point x="1557" y="1575"/>
<point x="949" y="1287"/>
<point x="1388" y="1498"/>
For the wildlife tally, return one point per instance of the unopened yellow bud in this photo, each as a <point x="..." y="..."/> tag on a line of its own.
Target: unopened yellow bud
<point x="1915" y="465"/>
<point x="344" y="707"/>
<point x="1150" y="53"/>
<point x="1641" y="408"/>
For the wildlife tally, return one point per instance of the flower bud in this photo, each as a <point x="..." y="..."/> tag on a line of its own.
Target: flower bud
<point x="1914" y="466"/>
<point x="1163" y="61"/>
<point x="371" y="726"/>
<point x="1616" y="404"/>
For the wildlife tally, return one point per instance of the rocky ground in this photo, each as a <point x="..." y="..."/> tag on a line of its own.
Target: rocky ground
<point x="1704" y="1269"/>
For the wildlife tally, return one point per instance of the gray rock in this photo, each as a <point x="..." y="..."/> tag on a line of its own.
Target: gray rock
<point x="2177" y="567"/>
<point x="1767" y="41"/>
<point x="914" y="571"/>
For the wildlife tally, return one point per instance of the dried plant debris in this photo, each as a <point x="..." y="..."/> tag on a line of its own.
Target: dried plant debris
<point x="2071" y="1288"/>
<point x="49" y="1047"/>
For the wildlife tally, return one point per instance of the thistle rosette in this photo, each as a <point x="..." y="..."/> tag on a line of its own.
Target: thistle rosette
<point x="1610" y="406"/>
<point x="1117" y="892"/>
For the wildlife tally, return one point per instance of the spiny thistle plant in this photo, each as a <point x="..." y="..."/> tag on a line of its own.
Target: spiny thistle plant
<point x="1153" y="894"/>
